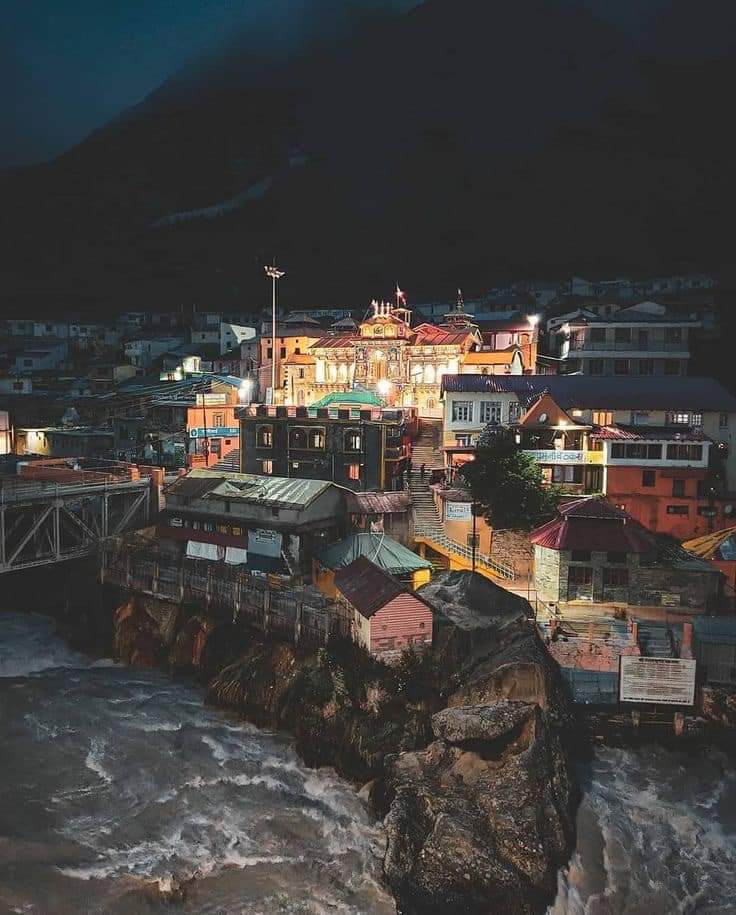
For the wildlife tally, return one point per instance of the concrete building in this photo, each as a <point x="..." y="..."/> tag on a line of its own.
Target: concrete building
<point x="359" y="448"/>
<point x="594" y="554"/>
<point x="681" y="405"/>
<point x="289" y="520"/>
<point x="639" y="340"/>
<point x="58" y="441"/>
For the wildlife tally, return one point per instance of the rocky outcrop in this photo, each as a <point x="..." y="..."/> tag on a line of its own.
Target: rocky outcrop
<point x="461" y="749"/>
<point x="480" y="820"/>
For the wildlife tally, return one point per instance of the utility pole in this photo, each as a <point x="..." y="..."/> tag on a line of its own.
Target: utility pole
<point x="275" y="274"/>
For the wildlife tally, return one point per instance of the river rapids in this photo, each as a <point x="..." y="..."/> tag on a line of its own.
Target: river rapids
<point x="122" y="793"/>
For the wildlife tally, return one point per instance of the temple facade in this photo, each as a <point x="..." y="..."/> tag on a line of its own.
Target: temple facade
<point x="401" y="363"/>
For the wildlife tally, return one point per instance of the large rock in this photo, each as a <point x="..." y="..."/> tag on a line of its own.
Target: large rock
<point x="481" y="819"/>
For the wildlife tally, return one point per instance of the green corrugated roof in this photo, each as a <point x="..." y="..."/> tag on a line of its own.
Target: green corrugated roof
<point x="365" y="398"/>
<point x="380" y="549"/>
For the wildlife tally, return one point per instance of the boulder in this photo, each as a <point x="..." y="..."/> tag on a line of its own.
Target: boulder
<point x="482" y="819"/>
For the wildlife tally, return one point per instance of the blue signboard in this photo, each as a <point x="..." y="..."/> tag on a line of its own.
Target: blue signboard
<point x="215" y="432"/>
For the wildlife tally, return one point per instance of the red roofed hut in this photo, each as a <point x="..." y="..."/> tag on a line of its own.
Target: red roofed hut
<point x="386" y="617"/>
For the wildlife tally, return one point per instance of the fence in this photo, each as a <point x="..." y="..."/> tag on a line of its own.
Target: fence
<point x="300" y="613"/>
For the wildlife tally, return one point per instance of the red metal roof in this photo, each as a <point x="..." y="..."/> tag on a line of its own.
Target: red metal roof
<point x="367" y="587"/>
<point x="335" y="340"/>
<point x="652" y="433"/>
<point x="593" y="524"/>
<point x="431" y="335"/>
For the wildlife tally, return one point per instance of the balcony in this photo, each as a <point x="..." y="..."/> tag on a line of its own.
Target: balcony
<point x="553" y="456"/>
<point x="628" y="346"/>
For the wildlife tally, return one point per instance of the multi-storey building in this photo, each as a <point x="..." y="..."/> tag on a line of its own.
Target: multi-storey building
<point x="672" y="468"/>
<point x="404" y="364"/>
<point x="361" y="449"/>
<point x="641" y="340"/>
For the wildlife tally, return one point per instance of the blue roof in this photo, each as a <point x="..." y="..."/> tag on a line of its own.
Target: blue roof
<point x="384" y="552"/>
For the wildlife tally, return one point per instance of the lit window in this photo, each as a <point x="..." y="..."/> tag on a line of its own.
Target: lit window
<point x="264" y="436"/>
<point x="602" y="418"/>
<point x="267" y="467"/>
<point x="353" y="471"/>
<point x="352" y="440"/>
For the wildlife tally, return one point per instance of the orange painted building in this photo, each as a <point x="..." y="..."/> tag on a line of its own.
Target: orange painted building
<point x="213" y="429"/>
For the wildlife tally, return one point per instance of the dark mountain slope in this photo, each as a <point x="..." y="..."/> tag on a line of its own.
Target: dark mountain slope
<point x="461" y="142"/>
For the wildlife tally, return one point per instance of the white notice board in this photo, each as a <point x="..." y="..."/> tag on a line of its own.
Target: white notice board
<point x="668" y="681"/>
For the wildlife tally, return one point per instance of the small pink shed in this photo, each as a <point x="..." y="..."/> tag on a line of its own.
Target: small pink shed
<point x="386" y="616"/>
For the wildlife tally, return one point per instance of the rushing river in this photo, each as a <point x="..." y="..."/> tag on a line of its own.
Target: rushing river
<point x="117" y="783"/>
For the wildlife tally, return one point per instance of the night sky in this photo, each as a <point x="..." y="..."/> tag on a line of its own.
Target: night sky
<point x="68" y="66"/>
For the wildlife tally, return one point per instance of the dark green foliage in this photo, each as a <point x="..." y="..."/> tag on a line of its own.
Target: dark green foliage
<point x="507" y="486"/>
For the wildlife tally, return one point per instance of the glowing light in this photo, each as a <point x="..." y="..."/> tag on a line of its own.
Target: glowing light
<point x="245" y="389"/>
<point x="383" y="387"/>
<point x="533" y="320"/>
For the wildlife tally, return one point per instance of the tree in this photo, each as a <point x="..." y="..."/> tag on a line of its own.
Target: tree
<point x="507" y="485"/>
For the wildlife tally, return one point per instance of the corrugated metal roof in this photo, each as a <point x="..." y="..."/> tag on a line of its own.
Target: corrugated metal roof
<point x="361" y="398"/>
<point x="367" y="503"/>
<point x="648" y="433"/>
<point x="709" y="546"/>
<point x="431" y="335"/>
<point x="253" y="488"/>
<point x="592" y="507"/>
<point x="384" y="552"/>
<point x="589" y="534"/>
<point x="335" y="340"/>
<point x="616" y="392"/>
<point x="367" y="587"/>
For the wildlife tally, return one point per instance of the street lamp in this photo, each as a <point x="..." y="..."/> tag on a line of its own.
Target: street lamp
<point x="533" y="320"/>
<point x="384" y="387"/>
<point x="273" y="271"/>
<point x="245" y="390"/>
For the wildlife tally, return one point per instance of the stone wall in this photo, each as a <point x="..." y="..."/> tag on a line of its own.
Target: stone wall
<point x="513" y="548"/>
<point x="548" y="574"/>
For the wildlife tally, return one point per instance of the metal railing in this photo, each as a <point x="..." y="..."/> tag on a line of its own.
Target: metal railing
<point x="628" y="346"/>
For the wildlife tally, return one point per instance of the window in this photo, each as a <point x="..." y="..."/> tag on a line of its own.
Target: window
<point x="598" y="334"/>
<point x="317" y="438"/>
<point x="643" y="337"/>
<point x="353" y="471"/>
<point x="580" y="556"/>
<point x="595" y="366"/>
<point x="684" y="452"/>
<point x="267" y="467"/>
<point x="622" y="335"/>
<point x="646" y="366"/>
<point x="621" y="367"/>
<point x="678" y="510"/>
<point x="580" y="575"/>
<point x="301" y="373"/>
<point x="602" y="418"/>
<point x="723" y="421"/>
<point x="490" y="411"/>
<point x="463" y="440"/>
<point x="352" y="440"/>
<point x="673" y="334"/>
<point x="671" y="367"/>
<point x="264" y="436"/>
<point x="218" y="420"/>
<point x="462" y="411"/>
<point x="678" y="419"/>
<point x="282" y="352"/>
<point x="616" y="557"/>
<point x="275" y="512"/>
<point x="297" y="438"/>
<point x="28" y="362"/>
<point x="269" y="353"/>
<point x="649" y="478"/>
<point x="514" y="412"/>
<point x="567" y="473"/>
<point x="473" y="541"/>
<point x="636" y="452"/>
<point x="615" y="578"/>
<point x="678" y="489"/>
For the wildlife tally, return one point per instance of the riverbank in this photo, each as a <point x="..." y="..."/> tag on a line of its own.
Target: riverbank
<point x="460" y="753"/>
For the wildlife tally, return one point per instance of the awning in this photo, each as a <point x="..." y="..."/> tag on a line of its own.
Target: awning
<point x="235" y="556"/>
<point x="198" y="550"/>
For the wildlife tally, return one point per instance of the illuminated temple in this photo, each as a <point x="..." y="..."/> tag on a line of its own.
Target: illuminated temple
<point x="403" y="364"/>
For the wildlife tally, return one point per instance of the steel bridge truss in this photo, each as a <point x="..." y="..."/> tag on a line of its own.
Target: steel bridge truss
<point x="42" y="524"/>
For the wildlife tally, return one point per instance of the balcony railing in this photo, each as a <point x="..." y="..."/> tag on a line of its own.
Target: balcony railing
<point x="628" y="346"/>
<point x="554" y="456"/>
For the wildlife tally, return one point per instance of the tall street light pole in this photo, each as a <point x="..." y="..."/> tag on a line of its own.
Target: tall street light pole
<point x="275" y="274"/>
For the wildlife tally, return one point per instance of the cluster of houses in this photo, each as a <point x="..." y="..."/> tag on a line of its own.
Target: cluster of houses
<point x="329" y="449"/>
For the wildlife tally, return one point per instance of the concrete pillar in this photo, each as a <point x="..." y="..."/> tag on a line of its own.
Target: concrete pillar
<point x="686" y="650"/>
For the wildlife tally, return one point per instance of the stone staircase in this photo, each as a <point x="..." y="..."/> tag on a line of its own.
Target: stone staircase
<point x="229" y="462"/>
<point x="428" y="526"/>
